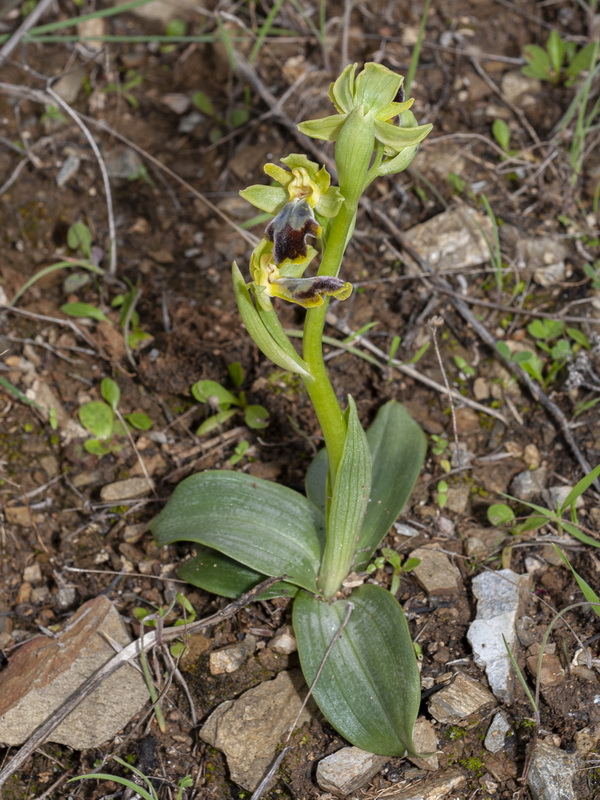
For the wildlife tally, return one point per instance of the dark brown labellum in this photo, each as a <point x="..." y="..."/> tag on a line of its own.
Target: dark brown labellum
<point x="289" y="231"/>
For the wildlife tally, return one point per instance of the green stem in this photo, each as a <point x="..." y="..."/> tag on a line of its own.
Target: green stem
<point x="319" y="389"/>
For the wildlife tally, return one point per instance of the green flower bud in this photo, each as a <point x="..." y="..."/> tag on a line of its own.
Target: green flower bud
<point x="366" y="104"/>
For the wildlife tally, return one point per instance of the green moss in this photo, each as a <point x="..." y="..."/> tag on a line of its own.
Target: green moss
<point x="454" y="732"/>
<point x="473" y="764"/>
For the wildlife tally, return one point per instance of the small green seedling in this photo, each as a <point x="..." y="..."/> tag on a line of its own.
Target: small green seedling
<point x="501" y="514"/>
<point x="105" y="422"/>
<point x="559" y="62"/>
<point x="394" y="559"/>
<point x="147" y="794"/>
<point x="79" y="240"/>
<point x="593" y="273"/>
<point x="501" y="133"/>
<point x="441" y="496"/>
<point x="226" y="404"/>
<point x="466" y="370"/>
<point x="440" y="444"/>
<point x="176" y="28"/>
<point x="132" y="80"/>
<point x="129" y="319"/>
<point x="556" y="340"/>
<point x="237" y="117"/>
<point x="240" y="452"/>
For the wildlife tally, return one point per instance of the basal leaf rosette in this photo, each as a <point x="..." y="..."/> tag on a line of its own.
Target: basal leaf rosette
<point x="366" y="105"/>
<point x="286" y="282"/>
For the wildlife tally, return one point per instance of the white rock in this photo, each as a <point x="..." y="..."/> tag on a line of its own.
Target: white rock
<point x="128" y="489"/>
<point x="455" y="239"/>
<point x="499" y="595"/>
<point x="516" y="86"/>
<point x="551" y="774"/>
<point x="250" y="729"/>
<point x="45" y="671"/>
<point x="558" y="495"/>
<point x="459" y="700"/>
<point x="496" y="733"/>
<point x="436" y="573"/>
<point x="284" y="641"/>
<point x="231" y="658"/>
<point x="425" y="741"/>
<point x="348" y="769"/>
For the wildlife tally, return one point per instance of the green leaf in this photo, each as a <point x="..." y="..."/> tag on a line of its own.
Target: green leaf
<point x="267" y="527"/>
<point x="85" y="310"/>
<point x="315" y="481"/>
<point x="369" y="688"/>
<point x="583" y="60"/>
<point x="176" y="27"/>
<point x="545" y="328"/>
<point x="503" y="349"/>
<point x="218" y="574"/>
<point x="579" y="488"/>
<point x="350" y="496"/>
<point x="110" y="392"/>
<point x="97" y="448"/>
<point x="205" y="391"/>
<point x="256" y="417"/>
<point x="203" y="103"/>
<point x="501" y="133"/>
<point x="574" y="531"/>
<point x="556" y="51"/>
<point x="97" y="418"/>
<point x="216" y="421"/>
<point x="281" y="355"/>
<point x="538" y="62"/>
<point x="79" y="237"/>
<point x="103" y="776"/>
<point x="500" y="514"/>
<point x="236" y="373"/>
<point x="398" y="447"/>
<point x="589" y="594"/>
<point x="139" y="421"/>
<point x="579" y="337"/>
<point x="239" y="117"/>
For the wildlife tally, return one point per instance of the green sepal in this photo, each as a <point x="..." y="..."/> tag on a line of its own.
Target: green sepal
<point x="275" y="350"/>
<point x="267" y="527"/>
<point x="376" y="87"/>
<point x="218" y="574"/>
<point x="397" y="138"/>
<point x="327" y="128"/>
<point x="341" y="93"/>
<point x="268" y="198"/>
<point x="369" y="688"/>
<point x="350" y="496"/>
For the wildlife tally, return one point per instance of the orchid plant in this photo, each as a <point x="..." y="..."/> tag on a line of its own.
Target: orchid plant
<point x="321" y="542"/>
